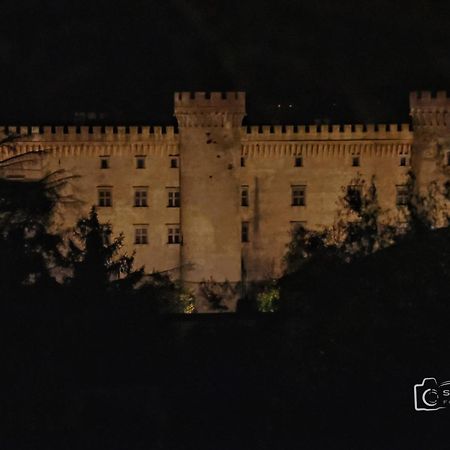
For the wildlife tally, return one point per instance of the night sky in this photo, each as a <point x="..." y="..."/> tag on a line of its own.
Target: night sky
<point x="332" y="60"/>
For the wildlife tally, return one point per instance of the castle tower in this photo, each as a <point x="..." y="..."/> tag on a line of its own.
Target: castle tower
<point x="431" y="150"/>
<point x="210" y="152"/>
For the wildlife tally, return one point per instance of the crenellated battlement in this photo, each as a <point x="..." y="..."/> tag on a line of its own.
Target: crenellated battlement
<point x="396" y="131"/>
<point x="430" y="110"/>
<point x="91" y="133"/>
<point x="213" y="109"/>
<point x="210" y="100"/>
<point x="428" y="100"/>
<point x="237" y="183"/>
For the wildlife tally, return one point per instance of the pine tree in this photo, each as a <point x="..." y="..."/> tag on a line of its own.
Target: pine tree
<point x="98" y="270"/>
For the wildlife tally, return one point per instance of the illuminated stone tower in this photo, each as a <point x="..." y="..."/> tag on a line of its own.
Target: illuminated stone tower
<point x="431" y="148"/>
<point x="210" y="152"/>
<point x="210" y="156"/>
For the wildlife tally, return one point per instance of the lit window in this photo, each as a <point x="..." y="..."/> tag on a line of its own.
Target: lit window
<point x="298" y="195"/>
<point x="244" y="196"/>
<point x="355" y="161"/>
<point x="140" y="234"/>
<point x="140" y="197"/>
<point x="298" y="162"/>
<point x="173" y="163"/>
<point x="104" y="162"/>
<point x="402" y="195"/>
<point x="140" y="162"/>
<point x="245" y="232"/>
<point x="403" y="161"/>
<point x="105" y="197"/>
<point x="173" y="234"/>
<point x="173" y="198"/>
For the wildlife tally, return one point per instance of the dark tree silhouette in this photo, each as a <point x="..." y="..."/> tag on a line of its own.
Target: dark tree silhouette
<point x="98" y="268"/>
<point x="329" y="275"/>
<point x="28" y="250"/>
<point x="358" y="231"/>
<point x="99" y="273"/>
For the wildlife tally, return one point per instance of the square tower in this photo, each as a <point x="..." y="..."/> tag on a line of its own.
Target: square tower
<point x="210" y="151"/>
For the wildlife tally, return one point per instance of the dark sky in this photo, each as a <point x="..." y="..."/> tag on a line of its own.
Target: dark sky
<point x="330" y="59"/>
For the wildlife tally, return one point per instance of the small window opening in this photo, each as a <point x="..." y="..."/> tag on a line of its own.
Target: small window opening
<point x="140" y="162"/>
<point x="104" y="163"/>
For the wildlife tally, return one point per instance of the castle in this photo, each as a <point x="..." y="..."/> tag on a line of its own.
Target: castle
<point x="215" y="200"/>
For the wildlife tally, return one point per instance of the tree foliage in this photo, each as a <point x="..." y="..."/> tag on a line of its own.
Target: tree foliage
<point x="267" y="300"/>
<point x="427" y="210"/>
<point x="95" y="260"/>
<point x="216" y="294"/>
<point x="100" y="274"/>
<point x="33" y="256"/>
<point x="323" y="264"/>
<point x="360" y="229"/>
<point x="29" y="250"/>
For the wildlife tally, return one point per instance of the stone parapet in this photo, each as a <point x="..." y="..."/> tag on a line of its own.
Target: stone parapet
<point x="327" y="132"/>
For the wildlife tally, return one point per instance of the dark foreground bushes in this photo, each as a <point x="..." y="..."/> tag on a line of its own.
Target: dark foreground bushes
<point x="115" y="378"/>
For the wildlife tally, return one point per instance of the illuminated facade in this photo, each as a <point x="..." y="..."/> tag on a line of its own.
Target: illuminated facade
<point x="215" y="200"/>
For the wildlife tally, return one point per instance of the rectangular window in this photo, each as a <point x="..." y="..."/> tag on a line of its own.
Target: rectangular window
<point x="298" y="195"/>
<point x="173" y="234"/>
<point x="244" y="195"/>
<point x="448" y="158"/>
<point x="242" y="161"/>
<point x="402" y="195"/>
<point x="298" y="161"/>
<point x="140" y="197"/>
<point x="104" y="162"/>
<point x="173" y="163"/>
<point x="173" y="197"/>
<point x="403" y="161"/>
<point x="104" y="197"/>
<point x="245" y="232"/>
<point x="355" y="161"/>
<point x="140" y="234"/>
<point x="140" y="162"/>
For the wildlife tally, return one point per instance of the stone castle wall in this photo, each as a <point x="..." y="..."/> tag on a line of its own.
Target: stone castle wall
<point x="217" y="158"/>
<point x="327" y="167"/>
